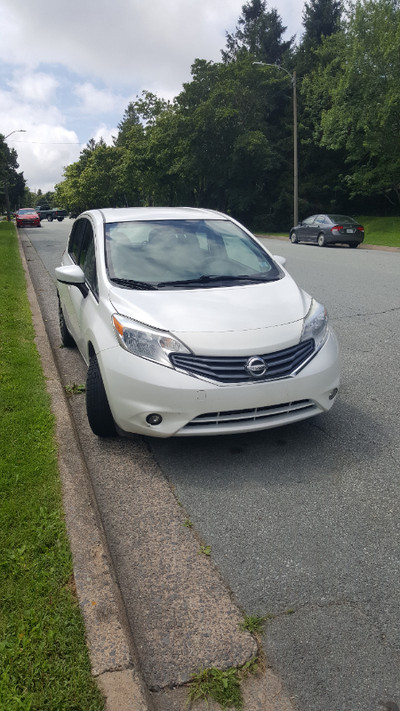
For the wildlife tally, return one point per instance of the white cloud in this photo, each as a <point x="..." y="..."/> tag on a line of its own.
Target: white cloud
<point x="127" y="42"/>
<point x="105" y="133"/>
<point x="43" y="152"/>
<point x="95" y="101"/>
<point x="71" y="74"/>
<point x="36" y="87"/>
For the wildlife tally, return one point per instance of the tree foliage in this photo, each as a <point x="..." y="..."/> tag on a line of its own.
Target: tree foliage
<point x="225" y="142"/>
<point x="321" y="18"/>
<point x="358" y="91"/>
<point x="12" y="183"/>
<point x="259" y="32"/>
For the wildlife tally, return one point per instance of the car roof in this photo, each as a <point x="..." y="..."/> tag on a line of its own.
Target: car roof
<point x="125" y="214"/>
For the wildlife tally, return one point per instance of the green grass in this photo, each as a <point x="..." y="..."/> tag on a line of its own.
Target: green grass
<point x="44" y="662"/>
<point x="383" y="231"/>
<point x="222" y="686"/>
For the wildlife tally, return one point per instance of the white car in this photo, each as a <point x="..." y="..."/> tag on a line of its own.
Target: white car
<point x="190" y="326"/>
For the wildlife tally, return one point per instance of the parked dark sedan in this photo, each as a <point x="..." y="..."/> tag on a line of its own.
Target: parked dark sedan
<point x="328" y="229"/>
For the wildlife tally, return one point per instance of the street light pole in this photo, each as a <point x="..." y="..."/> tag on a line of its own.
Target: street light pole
<point x="295" y="153"/>
<point x="17" y="130"/>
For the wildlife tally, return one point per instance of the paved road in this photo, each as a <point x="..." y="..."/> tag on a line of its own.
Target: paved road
<point x="303" y="521"/>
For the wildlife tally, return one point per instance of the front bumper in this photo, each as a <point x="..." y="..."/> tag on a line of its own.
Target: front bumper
<point x="190" y="406"/>
<point x="28" y="223"/>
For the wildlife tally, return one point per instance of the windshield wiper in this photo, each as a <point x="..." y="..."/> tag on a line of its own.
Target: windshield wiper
<point x="210" y="278"/>
<point x="132" y="284"/>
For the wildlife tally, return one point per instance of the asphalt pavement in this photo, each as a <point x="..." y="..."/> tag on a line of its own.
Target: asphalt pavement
<point x="302" y="521"/>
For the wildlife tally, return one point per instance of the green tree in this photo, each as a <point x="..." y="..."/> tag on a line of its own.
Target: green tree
<point x="359" y="94"/>
<point x="321" y="18"/>
<point x="259" y="32"/>
<point x="234" y="122"/>
<point x="92" y="181"/>
<point x="12" y="183"/>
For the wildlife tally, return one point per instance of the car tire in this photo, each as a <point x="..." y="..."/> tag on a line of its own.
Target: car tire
<point x="60" y="219"/>
<point x="66" y="338"/>
<point x="98" y="410"/>
<point x="49" y="218"/>
<point x="321" y="240"/>
<point x="293" y="238"/>
<point x="353" y="245"/>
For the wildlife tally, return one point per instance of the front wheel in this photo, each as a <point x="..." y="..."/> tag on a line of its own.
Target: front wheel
<point x="321" y="240"/>
<point x="293" y="238"/>
<point x="49" y="218"/>
<point x="98" y="410"/>
<point x="66" y="338"/>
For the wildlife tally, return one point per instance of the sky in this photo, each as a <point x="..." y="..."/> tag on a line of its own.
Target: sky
<point x="69" y="70"/>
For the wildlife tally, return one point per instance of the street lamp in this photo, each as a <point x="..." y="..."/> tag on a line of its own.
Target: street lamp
<point x="295" y="156"/>
<point x="17" y="130"/>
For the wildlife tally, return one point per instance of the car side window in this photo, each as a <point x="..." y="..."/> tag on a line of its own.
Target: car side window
<point x="81" y="249"/>
<point x="309" y="221"/>
<point x="75" y="240"/>
<point x="87" y="258"/>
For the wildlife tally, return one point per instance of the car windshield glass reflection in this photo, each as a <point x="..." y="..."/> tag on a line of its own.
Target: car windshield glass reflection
<point x="180" y="254"/>
<point x="342" y="218"/>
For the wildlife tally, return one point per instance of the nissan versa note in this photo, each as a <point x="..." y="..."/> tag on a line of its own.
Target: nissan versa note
<point x="189" y="326"/>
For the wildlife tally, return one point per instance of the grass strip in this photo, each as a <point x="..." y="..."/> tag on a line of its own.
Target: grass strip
<point x="44" y="662"/>
<point x="381" y="231"/>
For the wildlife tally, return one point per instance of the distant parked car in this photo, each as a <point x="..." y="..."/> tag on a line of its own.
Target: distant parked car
<point x="27" y="217"/>
<point x="190" y="326"/>
<point x="328" y="229"/>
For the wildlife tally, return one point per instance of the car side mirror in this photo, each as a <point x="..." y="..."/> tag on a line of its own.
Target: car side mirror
<point x="73" y="276"/>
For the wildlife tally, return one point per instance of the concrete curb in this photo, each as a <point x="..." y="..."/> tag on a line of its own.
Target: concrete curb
<point x="113" y="659"/>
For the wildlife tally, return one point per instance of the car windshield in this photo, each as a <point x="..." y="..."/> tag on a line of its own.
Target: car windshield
<point x="179" y="254"/>
<point x="26" y="211"/>
<point x="342" y="218"/>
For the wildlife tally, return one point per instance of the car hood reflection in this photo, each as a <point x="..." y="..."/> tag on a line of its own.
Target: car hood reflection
<point x="235" y="313"/>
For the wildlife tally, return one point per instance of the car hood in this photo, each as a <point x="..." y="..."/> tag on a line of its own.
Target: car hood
<point x="239" y="318"/>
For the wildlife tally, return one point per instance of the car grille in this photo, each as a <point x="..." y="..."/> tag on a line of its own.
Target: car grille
<point x="258" y="417"/>
<point x="233" y="369"/>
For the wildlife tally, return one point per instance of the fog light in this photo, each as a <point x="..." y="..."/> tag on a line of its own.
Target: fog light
<point x="154" y="419"/>
<point x="333" y="393"/>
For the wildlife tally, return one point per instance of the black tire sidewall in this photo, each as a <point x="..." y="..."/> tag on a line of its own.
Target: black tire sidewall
<point x="66" y="338"/>
<point x="98" y="410"/>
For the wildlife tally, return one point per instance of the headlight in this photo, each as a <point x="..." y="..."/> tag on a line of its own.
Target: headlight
<point x="316" y="325"/>
<point x="146" y="342"/>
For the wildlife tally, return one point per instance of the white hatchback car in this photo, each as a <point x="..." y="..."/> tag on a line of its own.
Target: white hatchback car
<point x="190" y="326"/>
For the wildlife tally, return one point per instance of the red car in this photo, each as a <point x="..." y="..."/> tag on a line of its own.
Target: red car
<point x="27" y="217"/>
